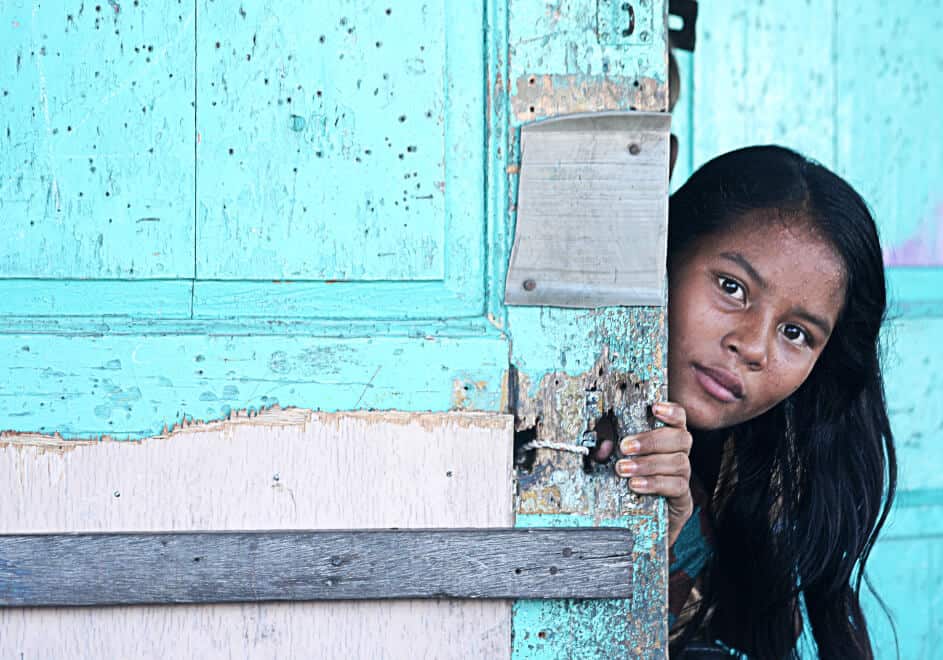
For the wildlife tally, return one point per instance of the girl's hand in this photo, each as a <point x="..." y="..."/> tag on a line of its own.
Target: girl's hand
<point x="657" y="463"/>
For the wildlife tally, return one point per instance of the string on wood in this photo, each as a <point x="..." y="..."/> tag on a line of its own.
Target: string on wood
<point x="559" y="446"/>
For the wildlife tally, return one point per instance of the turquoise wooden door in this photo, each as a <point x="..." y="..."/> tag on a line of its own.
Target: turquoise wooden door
<point x="214" y="208"/>
<point x="855" y="86"/>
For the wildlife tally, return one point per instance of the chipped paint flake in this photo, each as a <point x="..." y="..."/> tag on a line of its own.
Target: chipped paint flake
<point x="551" y="95"/>
<point x="272" y="417"/>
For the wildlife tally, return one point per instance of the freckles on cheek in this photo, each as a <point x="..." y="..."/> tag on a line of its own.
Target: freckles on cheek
<point x="783" y="385"/>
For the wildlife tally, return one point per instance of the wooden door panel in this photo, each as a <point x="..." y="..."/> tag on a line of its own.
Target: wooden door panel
<point x="339" y="141"/>
<point x="96" y="149"/>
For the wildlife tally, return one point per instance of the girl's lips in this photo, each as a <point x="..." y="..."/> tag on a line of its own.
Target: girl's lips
<point x="720" y="384"/>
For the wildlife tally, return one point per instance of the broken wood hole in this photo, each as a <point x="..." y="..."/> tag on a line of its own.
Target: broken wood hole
<point x="524" y="459"/>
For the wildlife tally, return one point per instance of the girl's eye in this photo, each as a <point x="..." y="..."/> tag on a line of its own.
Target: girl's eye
<point x="731" y="287"/>
<point x="795" y="334"/>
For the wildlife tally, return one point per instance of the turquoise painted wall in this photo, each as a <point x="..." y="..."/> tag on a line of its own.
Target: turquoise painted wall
<point x="859" y="87"/>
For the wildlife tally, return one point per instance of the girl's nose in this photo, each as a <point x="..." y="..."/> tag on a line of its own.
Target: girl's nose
<point x="749" y="341"/>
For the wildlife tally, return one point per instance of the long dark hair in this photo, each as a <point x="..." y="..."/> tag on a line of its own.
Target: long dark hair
<point x="814" y="477"/>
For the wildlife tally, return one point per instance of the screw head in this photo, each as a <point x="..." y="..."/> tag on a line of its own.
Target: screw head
<point x="529" y="285"/>
<point x="634" y="149"/>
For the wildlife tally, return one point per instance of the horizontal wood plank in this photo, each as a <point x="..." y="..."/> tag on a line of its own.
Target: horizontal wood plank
<point x="153" y="299"/>
<point x="129" y="386"/>
<point x="217" y="567"/>
<point x="284" y="299"/>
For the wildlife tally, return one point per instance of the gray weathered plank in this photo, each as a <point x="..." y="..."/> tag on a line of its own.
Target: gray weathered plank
<point x="215" y="567"/>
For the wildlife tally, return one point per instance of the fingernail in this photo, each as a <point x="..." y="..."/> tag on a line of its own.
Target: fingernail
<point x="631" y="446"/>
<point x="638" y="482"/>
<point x="659" y="408"/>
<point x="625" y="468"/>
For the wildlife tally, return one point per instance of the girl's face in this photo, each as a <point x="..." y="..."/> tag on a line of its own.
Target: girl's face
<point x="750" y="310"/>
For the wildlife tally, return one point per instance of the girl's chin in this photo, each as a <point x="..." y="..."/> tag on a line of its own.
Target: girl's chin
<point x="704" y="414"/>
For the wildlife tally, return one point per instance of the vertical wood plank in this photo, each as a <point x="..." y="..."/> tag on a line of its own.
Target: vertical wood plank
<point x="560" y="61"/>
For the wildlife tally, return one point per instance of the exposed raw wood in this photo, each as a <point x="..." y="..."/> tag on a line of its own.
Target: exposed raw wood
<point x="552" y="95"/>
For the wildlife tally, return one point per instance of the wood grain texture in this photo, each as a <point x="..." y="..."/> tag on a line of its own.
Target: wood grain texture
<point x="279" y="470"/>
<point x="221" y="567"/>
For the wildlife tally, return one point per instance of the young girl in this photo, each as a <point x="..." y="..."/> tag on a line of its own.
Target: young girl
<point x="776" y="299"/>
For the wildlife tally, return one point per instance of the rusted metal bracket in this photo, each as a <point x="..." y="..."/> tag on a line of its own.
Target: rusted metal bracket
<point x="624" y="23"/>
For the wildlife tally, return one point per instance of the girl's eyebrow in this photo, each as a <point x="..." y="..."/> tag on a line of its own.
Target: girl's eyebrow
<point x="815" y="320"/>
<point x="741" y="261"/>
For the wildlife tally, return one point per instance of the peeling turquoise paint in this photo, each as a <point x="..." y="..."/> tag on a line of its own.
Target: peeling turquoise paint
<point x="270" y="215"/>
<point x="563" y="38"/>
<point x="74" y="385"/>
<point x="565" y="57"/>
<point x="644" y="543"/>
<point x="562" y="629"/>
<point x="569" y="341"/>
